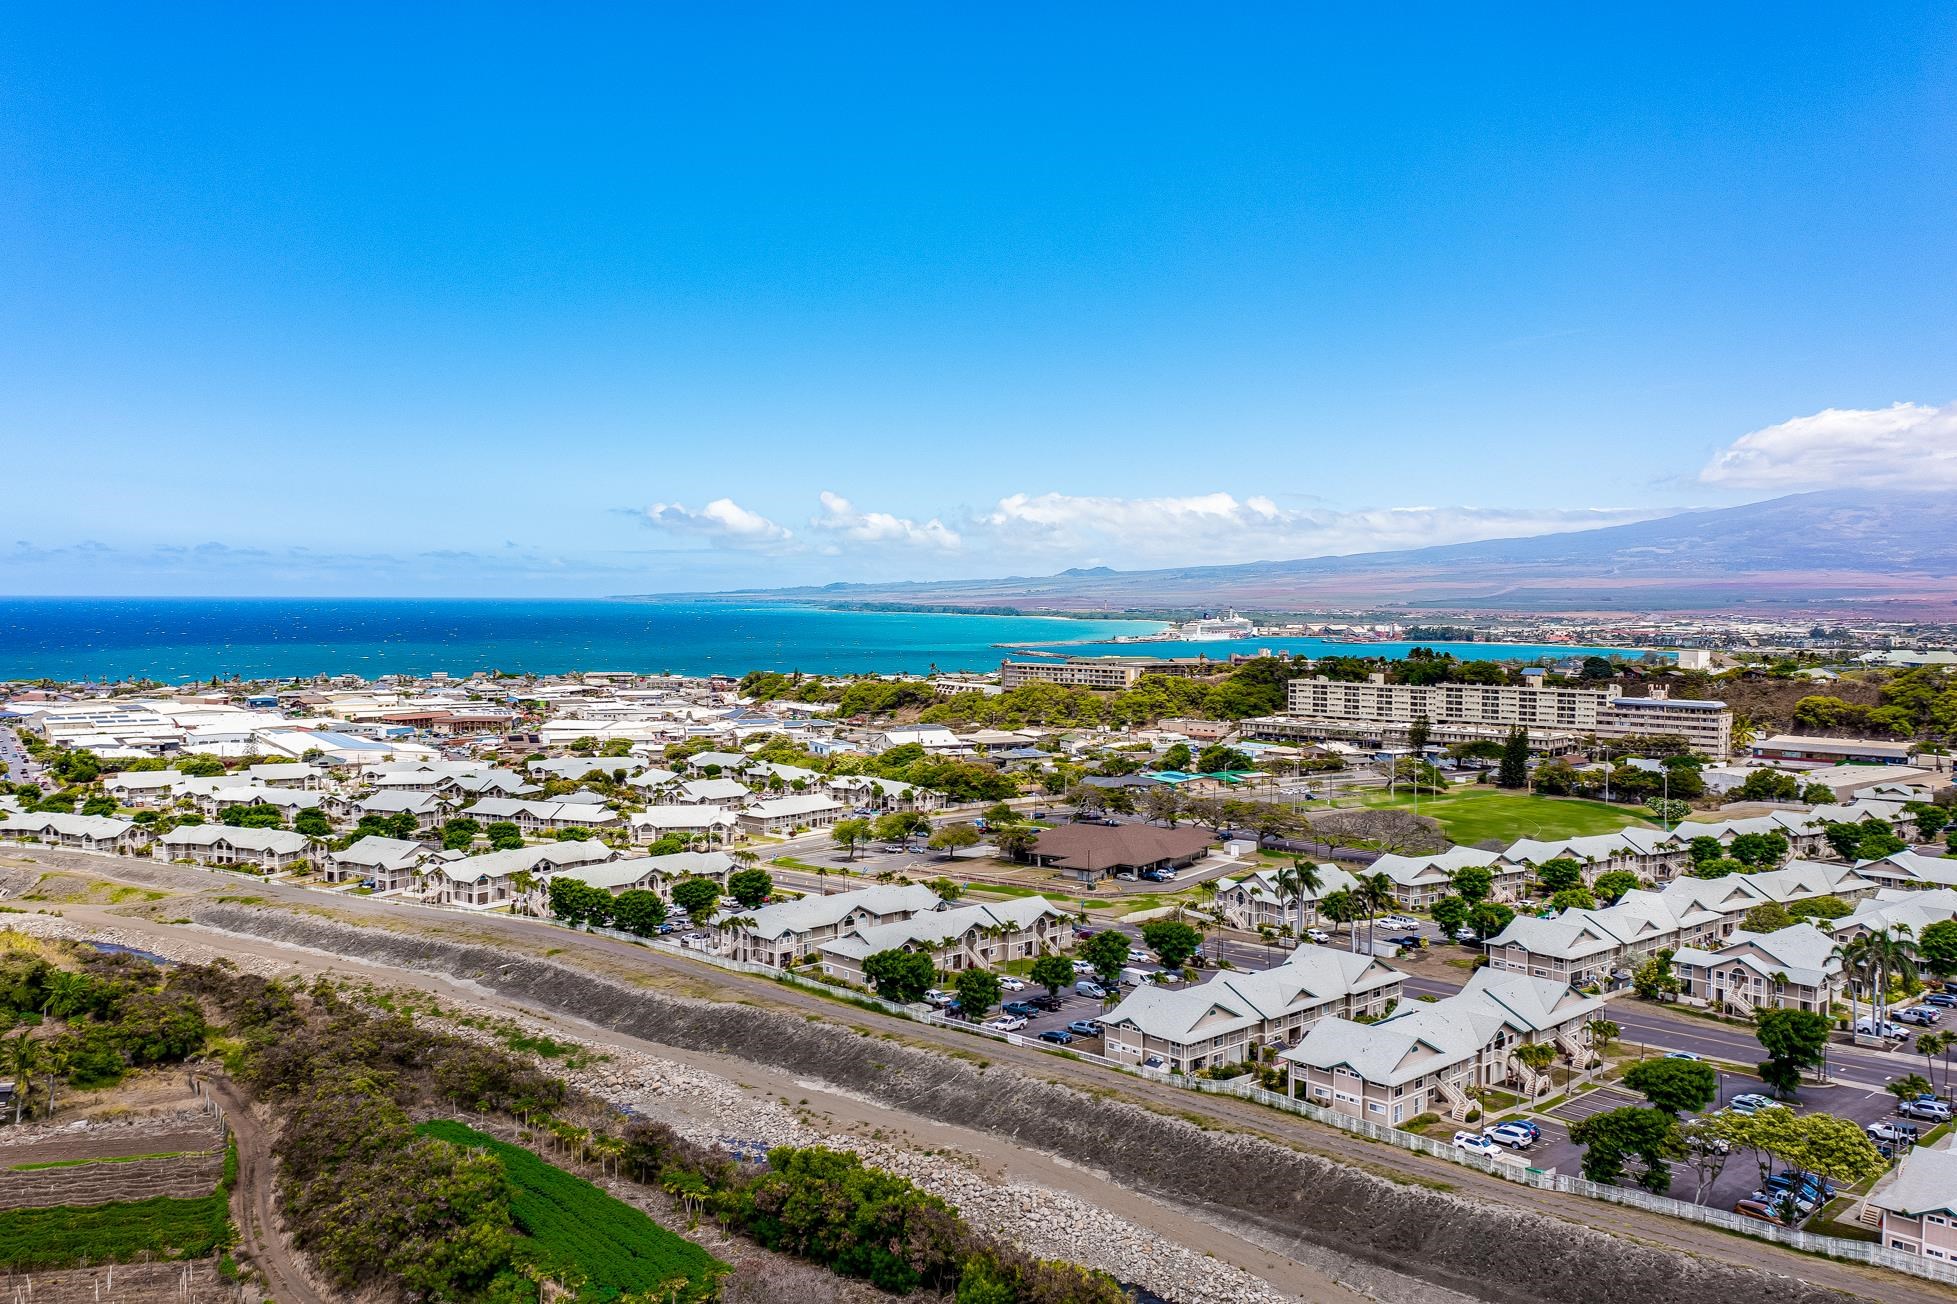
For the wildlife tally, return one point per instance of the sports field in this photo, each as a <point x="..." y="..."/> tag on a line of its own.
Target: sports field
<point x="1477" y="814"/>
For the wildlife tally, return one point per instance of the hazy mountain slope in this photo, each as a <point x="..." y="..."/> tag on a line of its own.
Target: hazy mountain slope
<point x="1818" y="550"/>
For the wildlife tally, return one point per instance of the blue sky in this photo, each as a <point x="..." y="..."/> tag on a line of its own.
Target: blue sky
<point x="370" y="299"/>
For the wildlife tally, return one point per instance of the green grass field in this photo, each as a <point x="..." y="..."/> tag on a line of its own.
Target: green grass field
<point x="1476" y="814"/>
<point x="614" y="1248"/>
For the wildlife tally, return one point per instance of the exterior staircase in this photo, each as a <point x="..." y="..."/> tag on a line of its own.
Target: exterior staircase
<point x="1458" y="1103"/>
<point x="1739" y="1004"/>
<point x="1531" y="1082"/>
<point x="1578" y="1052"/>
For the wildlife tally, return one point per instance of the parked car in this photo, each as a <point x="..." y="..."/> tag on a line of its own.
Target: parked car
<point x="937" y="998"/>
<point x="1155" y="1062"/>
<point x="1093" y="989"/>
<point x="1408" y="940"/>
<point x="1870" y="1028"/>
<point x="1011" y="985"/>
<point x="1475" y="1143"/>
<point x="1085" y="1027"/>
<point x="1760" y="1209"/>
<point x="1749" y="1101"/>
<point x="1937" y="1111"/>
<point x="1124" y="876"/>
<point x="1318" y="935"/>
<point x="1777" y="1198"/>
<point x="1082" y="966"/>
<point x="1680" y="1054"/>
<point x="1004" y="1023"/>
<point x="1894" y="1133"/>
<point x="1058" y="1036"/>
<point x="1047" y="1003"/>
<point x="1024" y="1009"/>
<point x="1512" y="1135"/>
<point x="1942" y="1000"/>
<point x="1137" y="957"/>
<point x="1922" y="1016"/>
<point x="1081" y="934"/>
<point x="1399" y="921"/>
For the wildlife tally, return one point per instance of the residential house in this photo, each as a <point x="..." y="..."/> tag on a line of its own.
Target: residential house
<point x="778" y="815"/>
<point x="1654" y="855"/>
<point x="293" y="774"/>
<point x="428" y="808"/>
<point x="99" y="833"/>
<point x="1790" y="968"/>
<point x="867" y="792"/>
<point x="1891" y="910"/>
<point x="785" y="932"/>
<point x="649" y="873"/>
<point x="289" y="801"/>
<point x="1426" y="1057"/>
<point x="1915" y="1203"/>
<point x="539" y="817"/>
<point x="389" y="862"/>
<point x="710" y="792"/>
<point x="1910" y="871"/>
<point x="1419" y="881"/>
<point x="142" y="787"/>
<point x="1254" y="900"/>
<point x="708" y="823"/>
<point x="935" y="739"/>
<point x="964" y="937"/>
<point x="266" y="850"/>
<point x="1228" y="1018"/>
<point x="1602" y="948"/>
<point x="498" y="877"/>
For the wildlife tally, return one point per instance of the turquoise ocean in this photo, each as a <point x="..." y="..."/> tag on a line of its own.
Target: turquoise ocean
<point x="176" y="639"/>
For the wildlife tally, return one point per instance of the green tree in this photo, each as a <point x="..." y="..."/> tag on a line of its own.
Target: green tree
<point x="750" y="887"/>
<point x="1654" y="979"/>
<point x="1794" y="1040"/>
<point x="1173" y="940"/>
<point x="1217" y="759"/>
<point x="1561" y="874"/>
<point x="1613" y="1138"/>
<point x="1613" y="884"/>
<point x="902" y="976"/>
<point x="1472" y="883"/>
<point x="1419" y="734"/>
<point x="1937" y="948"/>
<point x="850" y="834"/>
<point x="1490" y="918"/>
<point x="1673" y="1085"/>
<point x="1767" y="917"/>
<point x="639" y="911"/>
<point x="952" y="837"/>
<point x="1576" y="898"/>
<point x="1451" y="913"/>
<point x="696" y="896"/>
<point x="1514" y="769"/>
<point x="313" y="823"/>
<point x="504" y="836"/>
<point x="459" y="834"/>
<point x="978" y="992"/>
<point x="1052" y="972"/>
<point x="1178" y="757"/>
<point x="1106" y="952"/>
<point x="1836" y="1148"/>
<point x="577" y="902"/>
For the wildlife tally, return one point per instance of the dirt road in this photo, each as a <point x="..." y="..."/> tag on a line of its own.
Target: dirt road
<point x="254" y="1202"/>
<point x="1234" y="1115"/>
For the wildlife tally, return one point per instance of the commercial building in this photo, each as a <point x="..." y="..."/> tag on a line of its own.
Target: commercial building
<point x="1831" y="751"/>
<point x="1090" y="852"/>
<point x="1110" y="674"/>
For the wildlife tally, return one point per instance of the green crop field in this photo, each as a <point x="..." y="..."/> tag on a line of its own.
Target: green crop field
<point x="67" y="1236"/>
<point x="581" y="1232"/>
<point x="1477" y="814"/>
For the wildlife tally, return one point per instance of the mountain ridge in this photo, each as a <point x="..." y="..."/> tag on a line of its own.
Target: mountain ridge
<point x="1828" y="551"/>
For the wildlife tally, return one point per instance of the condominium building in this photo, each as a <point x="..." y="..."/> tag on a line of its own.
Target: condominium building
<point x="1110" y="674"/>
<point x="1376" y="709"/>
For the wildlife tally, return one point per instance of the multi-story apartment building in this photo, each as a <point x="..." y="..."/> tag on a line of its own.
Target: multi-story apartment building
<point x="1107" y="673"/>
<point x="1703" y="722"/>
<point x="1376" y="709"/>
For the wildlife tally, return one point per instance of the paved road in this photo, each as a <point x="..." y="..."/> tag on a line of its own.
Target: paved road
<point x="1224" y="1111"/>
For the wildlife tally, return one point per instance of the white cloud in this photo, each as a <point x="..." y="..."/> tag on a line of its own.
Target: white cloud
<point x="1903" y="446"/>
<point x="840" y="518"/>
<point x="724" y="521"/>
<point x="1218" y="527"/>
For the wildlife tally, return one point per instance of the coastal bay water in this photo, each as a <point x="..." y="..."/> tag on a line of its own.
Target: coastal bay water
<point x="176" y="639"/>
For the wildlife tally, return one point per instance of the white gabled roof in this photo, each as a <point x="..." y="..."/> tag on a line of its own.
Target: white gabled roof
<point x="40" y="823"/>
<point x="805" y="914"/>
<point x="783" y="807"/>
<point x="1310" y="977"/>
<point x="682" y="817"/>
<point x="551" y="855"/>
<point x="393" y="853"/>
<point x="280" y="841"/>
<point x="929" y="927"/>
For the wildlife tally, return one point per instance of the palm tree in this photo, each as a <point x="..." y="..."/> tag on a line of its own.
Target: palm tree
<point x="1854" y="955"/>
<point x="1931" y="1044"/>
<point x="23" y="1057"/>
<point x="57" y="1067"/>
<point x="1300" y="883"/>
<point x="521" y="883"/>
<point x="1376" y="895"/>
<point x="1892" y="951"/>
